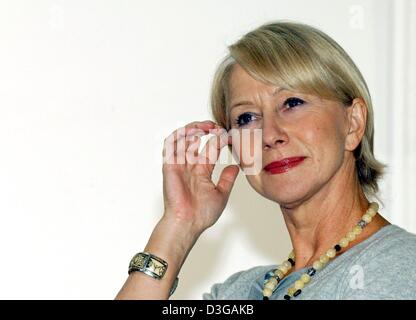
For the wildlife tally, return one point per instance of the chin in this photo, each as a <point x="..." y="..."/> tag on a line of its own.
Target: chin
<point x="287" y="195"/>
<point x="287" y="200"/>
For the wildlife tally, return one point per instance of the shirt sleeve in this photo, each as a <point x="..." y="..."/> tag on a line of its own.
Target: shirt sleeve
<point x="219" y="291"/>
<point x="239" y="286"/>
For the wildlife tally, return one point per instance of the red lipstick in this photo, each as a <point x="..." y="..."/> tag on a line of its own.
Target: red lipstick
<point x="283" y="165"/>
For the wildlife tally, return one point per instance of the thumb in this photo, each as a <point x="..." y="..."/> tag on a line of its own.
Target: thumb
<point x="227" y="179"/>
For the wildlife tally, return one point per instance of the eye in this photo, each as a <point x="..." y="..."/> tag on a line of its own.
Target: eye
<point x="293" y="102"/>
<point x="244" y="118"/>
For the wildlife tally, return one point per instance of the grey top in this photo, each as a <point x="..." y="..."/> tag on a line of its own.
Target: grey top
<point x="381" y="267"/>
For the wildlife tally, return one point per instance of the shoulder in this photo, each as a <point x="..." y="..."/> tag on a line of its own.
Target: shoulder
<point x="238" y="285"/>
<point x="384" y="268"/>
<point x="389" y="244"/>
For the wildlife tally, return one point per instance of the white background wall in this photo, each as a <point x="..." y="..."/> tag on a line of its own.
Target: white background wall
<point x="88" y="91"/>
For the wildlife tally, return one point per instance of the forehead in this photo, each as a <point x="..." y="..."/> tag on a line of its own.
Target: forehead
<point x="241" y="84"/>
<point x="243" y="89"/>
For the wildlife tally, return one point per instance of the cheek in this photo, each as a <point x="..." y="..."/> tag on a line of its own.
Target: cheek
<point x="247" y="147"/>
<point x="326" y="145"/>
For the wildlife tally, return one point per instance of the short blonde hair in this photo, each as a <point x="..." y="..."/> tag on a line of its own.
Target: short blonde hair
<point x="301" y="58"/>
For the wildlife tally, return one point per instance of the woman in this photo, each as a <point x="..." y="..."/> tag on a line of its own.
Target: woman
<point x="312" y="105"/>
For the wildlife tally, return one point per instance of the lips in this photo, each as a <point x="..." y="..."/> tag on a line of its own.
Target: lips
<point x="283" y="165"/>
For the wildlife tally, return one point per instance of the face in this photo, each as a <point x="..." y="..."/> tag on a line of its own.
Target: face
<point x="293" y="125"/>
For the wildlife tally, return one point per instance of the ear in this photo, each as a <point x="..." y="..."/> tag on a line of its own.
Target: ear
<point x="357" y="119"/>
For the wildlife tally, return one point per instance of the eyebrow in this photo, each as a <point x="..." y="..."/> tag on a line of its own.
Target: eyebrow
<point x="241" y="103"/>
<point x="250" y="103"/>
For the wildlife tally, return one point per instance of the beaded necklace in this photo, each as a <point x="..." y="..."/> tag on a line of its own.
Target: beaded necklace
<point x="273" y="277"/>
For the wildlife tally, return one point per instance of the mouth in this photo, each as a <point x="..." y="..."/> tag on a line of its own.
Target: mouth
<point x="283" y="165"/>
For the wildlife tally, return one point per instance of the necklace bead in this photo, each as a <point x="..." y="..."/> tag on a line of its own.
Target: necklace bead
<point x="279" y="274"/>
<point x="331" y="253"/>
<point x="287" y="264"/>
<point x="357" y="230"/>
<point x="298" y="292"/>
<point x="311" y="272"/>
<point x="318" y="265"/>
<point x="267" y="292"/>
<point x="343" y="242"/>
<point x="350" y="236"/>
<point x="362" y="223"/>
<point x="283" y="268"/>
<point x="324" y="259"/>
<point x="291" y="291"/>
<point x="367" y="218"/>
<point x="299" y="284"/>
<point x="305" y="278"/>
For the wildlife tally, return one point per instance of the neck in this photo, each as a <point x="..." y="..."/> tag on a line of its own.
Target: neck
<point x="317" y="224"/>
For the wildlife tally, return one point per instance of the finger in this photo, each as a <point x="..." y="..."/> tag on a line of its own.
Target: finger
<point x="201" y="125"/>
<point x="212" y="148"/>
<point x="183" y="143"/>
<point x="194" y="135"/>
<point x="168" y="152"/>
<point x="170" y="148"/>
<point x="181" y="148"/>
<point x="192" y="155"/>
<point x="227" y="179"/>
<point x="174" y="145"/>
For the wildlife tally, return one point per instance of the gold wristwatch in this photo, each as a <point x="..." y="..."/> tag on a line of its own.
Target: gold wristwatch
<point x="152" y="266"/>
<point x="149" y="264"/>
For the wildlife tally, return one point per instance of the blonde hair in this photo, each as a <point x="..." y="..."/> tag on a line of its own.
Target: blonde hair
<point x="302" y="58"/>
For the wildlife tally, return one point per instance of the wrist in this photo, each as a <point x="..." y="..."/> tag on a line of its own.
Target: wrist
<point x="180" y="225"/>
<point x="172" y="240"/>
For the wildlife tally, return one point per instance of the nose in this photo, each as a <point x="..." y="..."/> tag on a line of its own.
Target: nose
<point x="274" y="133"/>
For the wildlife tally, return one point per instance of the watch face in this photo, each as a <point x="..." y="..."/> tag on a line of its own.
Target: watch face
<point x="148" y="264"/>
<point x="156" y="267"/>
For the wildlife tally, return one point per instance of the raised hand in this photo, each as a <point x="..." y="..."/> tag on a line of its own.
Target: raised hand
<point x="190" y="196"/>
